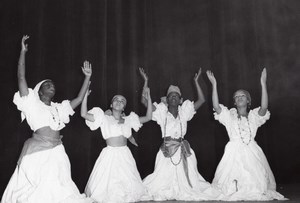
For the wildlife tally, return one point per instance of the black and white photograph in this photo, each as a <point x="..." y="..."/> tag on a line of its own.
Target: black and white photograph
<point x="167" y="101"/>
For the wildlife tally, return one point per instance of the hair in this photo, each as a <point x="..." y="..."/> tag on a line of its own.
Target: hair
<point x="118" y="96"/>
<point x="248" y="96"/>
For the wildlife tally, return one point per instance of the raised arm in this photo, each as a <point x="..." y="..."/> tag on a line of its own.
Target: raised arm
<point x="215" y="97"/>
<point x="200" y="94"/>
<point x="22" y="83"/>
<point x="83" y="111"/>
<point x="144" y="94"/>
<point x="264" y="94"/>
<point x="87" y="71"/>
<point x="148" y="116"/>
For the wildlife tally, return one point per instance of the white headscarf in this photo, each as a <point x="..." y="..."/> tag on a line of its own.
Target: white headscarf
<point x="37" y="88"/>
<point x="36" y="95"/>
<point x="173" y="88"/>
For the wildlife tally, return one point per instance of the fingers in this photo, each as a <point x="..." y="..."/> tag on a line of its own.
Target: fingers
<point x="211" y="77"/>
<point x="209" y="73"/>
<point x="24" y="46"/>
<point x="141" y="70"/>
<point x="198" y="74"/>
<point x="87" y="68"/>
<point x="87" y="65"/>
<point x="264" y="72"/>
<point x="263" y="77"/>
<point x="88" y="92"/>
<point x="143" y="73"/>
<point x="199" y="71"/>
<point x="25" y="37"/>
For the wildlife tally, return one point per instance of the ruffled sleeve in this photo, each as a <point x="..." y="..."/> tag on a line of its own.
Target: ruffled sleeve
<point x="133" y="121"/>
<point x="224" y="116"/>
<point x="98" y="116"/>
<point x="259" y="120"/>
<point x="159" y="114"/>
<point x="187" y="110"/>
<point x="65" y="111"/>
<point x="24" y="103"/>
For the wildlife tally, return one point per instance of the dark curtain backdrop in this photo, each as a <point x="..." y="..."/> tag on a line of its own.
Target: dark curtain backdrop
<point x="171" y="39"/>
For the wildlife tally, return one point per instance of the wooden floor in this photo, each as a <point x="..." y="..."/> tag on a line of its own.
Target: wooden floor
<point x="290" y="191"/>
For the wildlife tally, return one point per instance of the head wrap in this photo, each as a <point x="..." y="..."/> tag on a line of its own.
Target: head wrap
<point x="36" y="94"/>
<point x="37" y="88"/>
<point x="173" y="88"/>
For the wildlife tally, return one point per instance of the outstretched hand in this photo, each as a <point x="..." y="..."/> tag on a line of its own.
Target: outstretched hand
<point x="211" y="77"/>
<point x="196" y="77"/>
<point x="24" y="46"/>
<point x="87" y="68"/>
<point x="143" y="74"/>
<point x="263" y="77"/>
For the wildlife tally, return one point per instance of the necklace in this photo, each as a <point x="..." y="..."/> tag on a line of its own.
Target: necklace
<point x="165" y="132"/>
<point x="56" y="120"/>
<point x="242" y="138"/>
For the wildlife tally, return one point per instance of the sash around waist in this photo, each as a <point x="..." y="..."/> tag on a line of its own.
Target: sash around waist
<point x="170" y="146"/>
<point x="40" y="142"/>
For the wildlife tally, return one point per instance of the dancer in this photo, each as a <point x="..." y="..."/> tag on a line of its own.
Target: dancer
<point x="243" y="172"/>
<point x="176" y="175"/>
<point x="43" y="172"/>
<point x="115" y="177"/>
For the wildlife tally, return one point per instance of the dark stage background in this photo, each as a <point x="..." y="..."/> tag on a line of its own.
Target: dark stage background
<point x="171" y="40"/>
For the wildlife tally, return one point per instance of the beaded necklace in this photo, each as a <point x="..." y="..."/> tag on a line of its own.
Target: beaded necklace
<point x="242" y="138"/>
<point x="53" y="116"/>
<point x="165" y="131"/>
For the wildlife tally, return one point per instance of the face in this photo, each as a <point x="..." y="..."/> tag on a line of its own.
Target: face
<point x="47" y="89"/>
<point x="240" y="98"/>
<point x="118" y="103"/>
<point x="173" y="99"/>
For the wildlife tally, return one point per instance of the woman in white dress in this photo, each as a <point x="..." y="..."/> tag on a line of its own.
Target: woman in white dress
<point x="115" y="177"/>
<point x="175" y="175"/>
<point x="243" y="172"/>
<point x="43" y="172"/>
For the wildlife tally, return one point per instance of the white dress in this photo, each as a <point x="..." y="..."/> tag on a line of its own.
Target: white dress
<point x="115" y="177"/>
<point x="243" y="172"/>
<point x="43" y="175"/>
<point x="169" y="181"/>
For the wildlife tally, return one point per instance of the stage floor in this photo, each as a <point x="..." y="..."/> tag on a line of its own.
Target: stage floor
<point x="290" y="191"/>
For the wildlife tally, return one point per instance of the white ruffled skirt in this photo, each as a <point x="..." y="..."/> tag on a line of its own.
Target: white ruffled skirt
<point x="244" y="174"/>
<point x="43" y="177"/>
<point x="169" y="182"/>
<point x="115" y="177"/>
